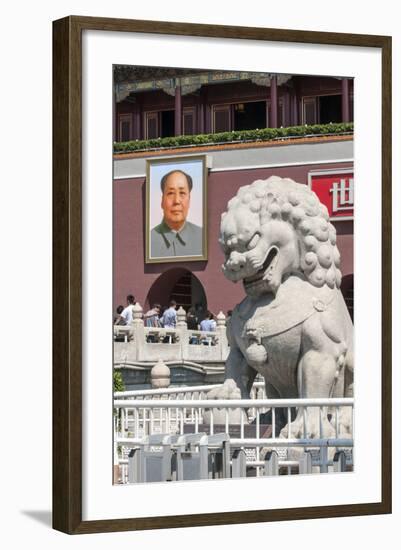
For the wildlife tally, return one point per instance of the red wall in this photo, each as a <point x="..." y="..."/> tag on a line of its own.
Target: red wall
<point x="132" y="275"/>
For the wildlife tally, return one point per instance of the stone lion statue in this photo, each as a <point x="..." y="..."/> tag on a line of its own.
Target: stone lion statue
<point x="293" y="326"/>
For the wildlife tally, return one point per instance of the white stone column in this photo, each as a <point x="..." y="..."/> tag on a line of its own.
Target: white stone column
<point x="138" y="332"/>
<point x="182" y="329"/>
<point x="222" y="335"/>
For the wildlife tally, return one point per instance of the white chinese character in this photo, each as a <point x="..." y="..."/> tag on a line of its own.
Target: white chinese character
<point x="343" y="196"/>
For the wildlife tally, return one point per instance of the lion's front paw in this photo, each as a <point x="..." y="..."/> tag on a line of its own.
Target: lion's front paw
<point x="293" y="430"/>
<point x="308" y="425"/>
<point x="345" y="429"/>
<point x="229" y="390"/>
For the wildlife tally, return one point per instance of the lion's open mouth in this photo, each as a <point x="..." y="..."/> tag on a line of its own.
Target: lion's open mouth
<point x="267" y="269"/>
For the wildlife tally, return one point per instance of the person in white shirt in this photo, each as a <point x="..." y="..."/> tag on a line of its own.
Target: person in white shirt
<point x="127" y="313"/>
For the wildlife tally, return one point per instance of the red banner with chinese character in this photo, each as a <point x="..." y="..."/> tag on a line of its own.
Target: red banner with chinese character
<point x="335" y="189"/>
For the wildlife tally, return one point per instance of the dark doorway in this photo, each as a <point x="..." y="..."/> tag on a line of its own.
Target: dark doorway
<point x="180" y="285"/>
<point x="167" y="124"/>
<point x="181" y="292"/>
<point x="329" y="109"/>
<point x="188" y="291"/>
<point x="249" y="116"/>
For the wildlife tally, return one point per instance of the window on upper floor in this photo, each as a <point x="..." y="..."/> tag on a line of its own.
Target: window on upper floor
<point x="162" y="123"/>
<point x="321" y="109"/>
<point x="188" y="121"/>
<point x="329" y="109"/>
<point x="152" y="125"/>
<point x="221" y="118"/>
<point x="125" y="127"/>
<point x="248" y="115"/>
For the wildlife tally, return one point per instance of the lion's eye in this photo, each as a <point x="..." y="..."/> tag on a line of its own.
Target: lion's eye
<point x="253" y="242"/>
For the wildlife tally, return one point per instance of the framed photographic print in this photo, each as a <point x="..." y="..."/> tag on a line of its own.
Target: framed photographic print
<point x="222" y="275"/>
<point x="176" y="215"/>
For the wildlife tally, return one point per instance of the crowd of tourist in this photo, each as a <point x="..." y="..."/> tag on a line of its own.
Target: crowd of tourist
<point x="197" y="318"/>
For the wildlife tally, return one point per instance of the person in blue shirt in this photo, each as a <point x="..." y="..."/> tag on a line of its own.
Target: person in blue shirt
<point x="208" y="325"/>
<point x="169" y="318"/>
<point x="175" y="235"/>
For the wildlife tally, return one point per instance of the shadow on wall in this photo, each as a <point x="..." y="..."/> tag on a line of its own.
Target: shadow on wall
<point x="347" y="289"/>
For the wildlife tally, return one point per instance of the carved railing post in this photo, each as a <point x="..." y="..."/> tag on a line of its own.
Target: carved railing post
<point x="222" y="335"/>
<point x="160" y="375"/>
<point x="181" y="317"/>
<point x="138" y="332"/>
<point x="182" y="329"/>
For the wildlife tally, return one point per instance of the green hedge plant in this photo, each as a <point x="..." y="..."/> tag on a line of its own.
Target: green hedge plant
<point x="262" y="134"/>
<point x="118" y="382"/>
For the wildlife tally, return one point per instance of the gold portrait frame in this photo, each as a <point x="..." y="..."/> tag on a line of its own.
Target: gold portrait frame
<point x="176" y="161"/>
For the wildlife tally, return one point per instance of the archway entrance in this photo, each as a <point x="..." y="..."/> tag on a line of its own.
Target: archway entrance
<point x="177" y="284"/>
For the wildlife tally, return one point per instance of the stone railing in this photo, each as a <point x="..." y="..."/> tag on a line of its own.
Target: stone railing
<point x="149" y="344"/>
